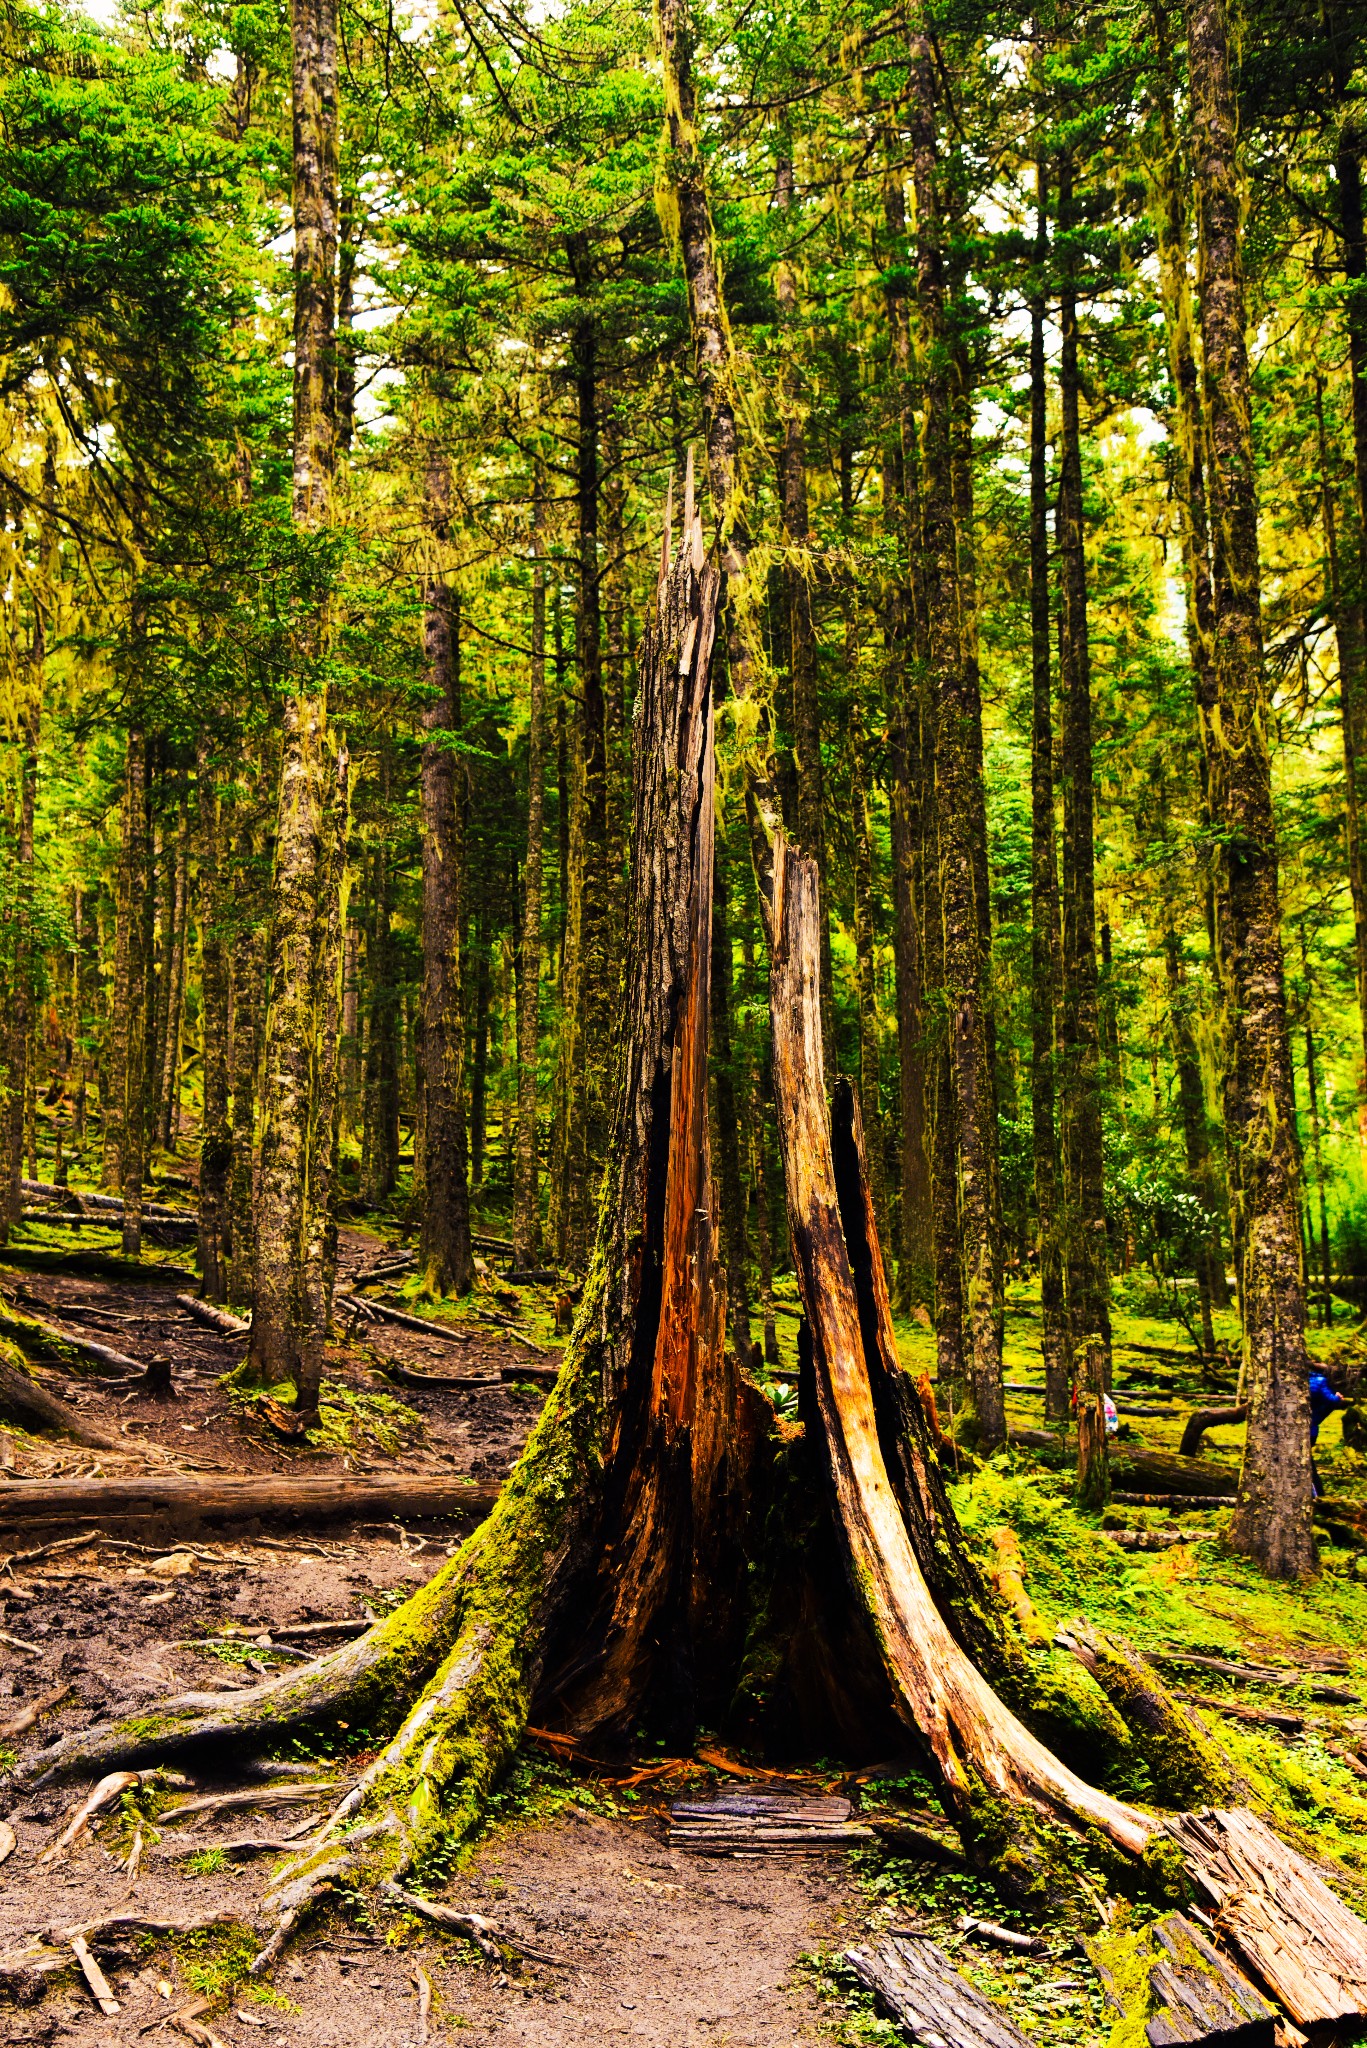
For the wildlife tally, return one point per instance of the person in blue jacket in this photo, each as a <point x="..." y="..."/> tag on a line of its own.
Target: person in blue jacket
<point x="1323" y="1402"/>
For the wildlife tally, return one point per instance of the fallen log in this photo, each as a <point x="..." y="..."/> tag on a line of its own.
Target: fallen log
<point x="1202" y="1419"/>
<point x="1275" y="1910"/>
<point x="925" y="1994"/>
<point x="1160" y="1472"/>
<point x="182" y="1504"/>
<point x="1181" y="1503"/>
<point x="30" y="1407"/>
<point x="1246" y="1674"/>
<point x="759" y="1822"/>
<point x="1157" y="1539"/>
<point x="214" y="1318"/>
<point x="95" y="1265"/>
<point x="395" y="1369"/>
<point x="1260" y="1717"/>
<point x="428" y="1327"/>
<point x="46" y="1345"/>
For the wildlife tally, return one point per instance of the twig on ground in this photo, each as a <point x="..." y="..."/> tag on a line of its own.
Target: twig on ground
<point x="94" y="1977"/>
<point x="423" y="1984"/>
<point x="18" y="1643"/>
<point x="1005" y="1937"/>
<point x="21" y="1722"/>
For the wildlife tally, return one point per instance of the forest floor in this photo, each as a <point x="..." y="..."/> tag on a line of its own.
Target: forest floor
<point x="649" y="1942"/>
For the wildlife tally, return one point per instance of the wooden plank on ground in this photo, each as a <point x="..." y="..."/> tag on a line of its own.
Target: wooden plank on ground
<point x="1271" y="1906"/>
<point x="759" y="1822"/>
<point x="928" y="1998"/>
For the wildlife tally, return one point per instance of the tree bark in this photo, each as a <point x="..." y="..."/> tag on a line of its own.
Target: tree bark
<point x="168" y="1090"/>
<point x="248" y="993"/>
<point x="279" y="1314"/>
<point x="447" y="1257"/>
<point x="216" y="1146"/>
<point x="19" y="1025"/>
<point x="956" y="797"/>
<point x="1272" y="1519"/>
<point x="870" y="1054"/>
<point x="1044" y="903"/>
<point x="526" y="1200"/>
<point x="1084" y="1243"/>
<point x="731" y="1188"/>
<point x="319" y="1257"/>
<point x="133" y="1118"/>
<point x="1191" y="1101"/>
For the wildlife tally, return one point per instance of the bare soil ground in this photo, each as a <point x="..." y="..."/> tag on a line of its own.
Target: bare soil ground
<point x="649" y="1944"/>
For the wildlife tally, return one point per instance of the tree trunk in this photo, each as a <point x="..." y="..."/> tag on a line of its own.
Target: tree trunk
<point x="168" y="1089"/>
<point x="870" y="1055"/>
<point x="248" y="992"/>
<point x="526" y="1202"/>
<point x="1191" y="1101"/>
<point x="279" y="1314"/>
<point x="216" y="1147"/>
<point x="957" y="799"/>
<point x="133" y="1118"/>
<point x="1084" y="1244"/>
<point x="731" y="1188"/>
<point x="907" y="636"/>
<point x="19" y="1025"/>
<point x="1044" y="905"/>
<point x="447" y="1257"/>
<point x="1346" y="613"/>
<point x="479" y="1064"/>
<point x="1352" y="635"/>
<point x="591" y="1102"/>
<point x="319" y="1257"/>
<point x="1272" y="1519"/>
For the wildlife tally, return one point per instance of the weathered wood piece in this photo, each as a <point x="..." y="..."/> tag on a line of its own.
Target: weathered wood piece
<point x="1193" y="1994"/>
<point x="756" y="1822"/>
<point x="925" y="1994"/>
<point x="1277" y="1913"/>
<point x="1182" y="1503"/>
<point x="182" y="1503"/>
<point x="1160" y="1472"/>
<point x="1157" y="1539"/>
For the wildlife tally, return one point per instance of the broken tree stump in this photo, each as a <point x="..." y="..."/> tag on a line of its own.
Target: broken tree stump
<point x="1275" y="1910"/>
<point x="1190" y="1993"/>
<point x="757" y="1823"/>
<point x="925" y="1994"/>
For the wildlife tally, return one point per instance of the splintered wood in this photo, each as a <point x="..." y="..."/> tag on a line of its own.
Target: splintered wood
<point x="1194" y="1997"/>
<point x="1278" y="1914"/>
<point x="928" y="1998"/>
<point x="760" y="1823"/>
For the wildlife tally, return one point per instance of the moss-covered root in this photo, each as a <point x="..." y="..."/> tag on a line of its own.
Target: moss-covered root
<point x="1185" y="1766"/>
<point x="429" y="1785"/>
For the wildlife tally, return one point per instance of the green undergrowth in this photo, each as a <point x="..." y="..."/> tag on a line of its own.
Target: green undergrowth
<point x="350" y="1419"/>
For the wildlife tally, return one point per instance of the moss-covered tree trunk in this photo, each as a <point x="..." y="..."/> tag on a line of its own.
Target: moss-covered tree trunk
<point x="1272" y="1518"/>
<point x="248" y="973"/>
<point x="1084" y="1244"/>
<point x="447" y="1257"/>
<point x="173" y="962"/>
<point x="133" y="1123"/>
<point x="1191" y="1102"/>
<point x="727" y="1120"/>
<point x="526" y="1193"/>
<point x="279" y="1312"/>
<point x="216" y="1148"/>
<point x="22" y="1006"/>
<point x="318" y="1265"/>
<point x="957" y="797"/>
<point x="1044" y="904"/>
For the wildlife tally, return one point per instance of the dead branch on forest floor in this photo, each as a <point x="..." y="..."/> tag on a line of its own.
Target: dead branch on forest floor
<point x="20" y="1723"/>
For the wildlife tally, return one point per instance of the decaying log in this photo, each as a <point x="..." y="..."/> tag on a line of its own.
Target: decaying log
<point x="1277" y="1913"/>
<point x="1191" y="1995"/>
<point x="1246" y="1674"/>
<point x="215" y="1318"/>
<point x="1177" y="1503"/>
<point x="210" y="1502"/>
<point x="1202" y="1419"/>
<point x="1183" y="1762"/>
<point x="1157" y="1539"/>
<point x="41" y="1342"/>
<point x="925" y="1994"/>
<point x="983" y="1753"/>
<point x="426" y="1324"/>
<point x="1260" y="1717"/>
<point x="1159" y="1472"/>
<point x="31" y="1407"/>
<point x="441" y="1382"/>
